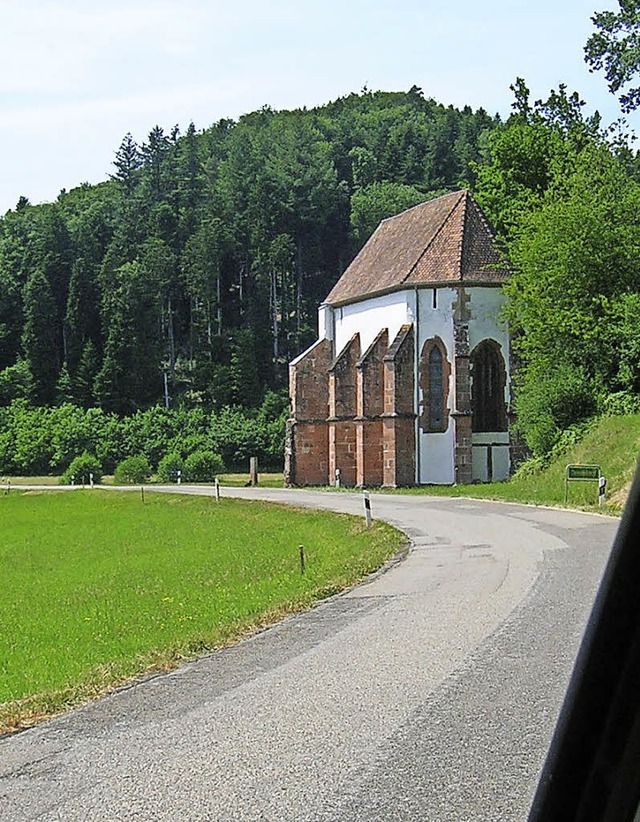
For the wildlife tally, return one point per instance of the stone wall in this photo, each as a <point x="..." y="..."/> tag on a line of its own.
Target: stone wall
<point x="343" y="408"/>
<point x="307" y="435"/>
<point x="370" y="406"/>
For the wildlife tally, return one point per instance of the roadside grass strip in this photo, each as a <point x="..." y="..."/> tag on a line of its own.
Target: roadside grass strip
<point x="101" y="587"/>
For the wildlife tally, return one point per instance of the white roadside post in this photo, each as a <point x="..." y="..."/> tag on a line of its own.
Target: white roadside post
<point x="91" y="479"/>
<point x="337" y="484"/>
<point x="602" y="487"/>
<point x="367" y="507"/>
<point x="179" y="476"/>
<point x="217" y="487"/>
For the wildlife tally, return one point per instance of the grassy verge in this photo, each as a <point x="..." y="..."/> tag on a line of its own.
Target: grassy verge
<point x="613" y="443"/>
<point x="99" y="588"/>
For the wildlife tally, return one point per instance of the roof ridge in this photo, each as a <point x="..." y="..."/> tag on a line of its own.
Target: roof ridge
<point x="462" y="193"/>
<point x="420" y="205"/>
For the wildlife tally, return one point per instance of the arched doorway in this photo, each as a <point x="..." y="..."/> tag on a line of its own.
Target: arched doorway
<point x="488" y="380"/>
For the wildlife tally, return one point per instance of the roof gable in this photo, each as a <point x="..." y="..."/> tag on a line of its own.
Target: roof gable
<point x="437" y="242"/>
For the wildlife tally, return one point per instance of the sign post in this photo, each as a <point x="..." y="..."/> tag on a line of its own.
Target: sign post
<point x="582" y="473"/>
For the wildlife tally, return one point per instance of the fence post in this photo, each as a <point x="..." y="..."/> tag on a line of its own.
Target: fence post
<point x="253" y="471"/>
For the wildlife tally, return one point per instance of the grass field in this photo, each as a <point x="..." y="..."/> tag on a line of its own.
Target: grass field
<point x="99" y="587"/>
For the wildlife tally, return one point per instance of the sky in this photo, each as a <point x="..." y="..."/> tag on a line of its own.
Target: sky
<point x="77" y="75"/>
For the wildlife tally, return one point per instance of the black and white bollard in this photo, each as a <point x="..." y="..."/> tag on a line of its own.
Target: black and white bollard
<point x="91" y="479"/>
<point x="602" y="487"/>
<point x="217" y="487"/>
<point x="367" y="507"/>
<point x="337" y="483"/>
<point x="179" y="477"/>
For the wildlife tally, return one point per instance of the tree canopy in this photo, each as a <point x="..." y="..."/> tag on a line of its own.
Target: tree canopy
<point x="201" y="262"/>
<point x="615" y="47"/>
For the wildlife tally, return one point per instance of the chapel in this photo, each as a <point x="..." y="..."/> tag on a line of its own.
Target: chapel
<point x="409" y="380"/>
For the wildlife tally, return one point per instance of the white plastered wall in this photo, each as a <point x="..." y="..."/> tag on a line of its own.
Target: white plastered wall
<point x="486" y="323"/>
<point x="369" y="317"/>
<point x="435" y="451"/>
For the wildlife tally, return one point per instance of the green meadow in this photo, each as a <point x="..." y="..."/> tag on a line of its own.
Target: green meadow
<point x="99" y="587"/>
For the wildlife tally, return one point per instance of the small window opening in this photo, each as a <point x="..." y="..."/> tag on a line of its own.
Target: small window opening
<point x="434" y="382"/>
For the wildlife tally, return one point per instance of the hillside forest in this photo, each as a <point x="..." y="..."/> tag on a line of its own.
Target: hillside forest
<point x="176" y="292"/>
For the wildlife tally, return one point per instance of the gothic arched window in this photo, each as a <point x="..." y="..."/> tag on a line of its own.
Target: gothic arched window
<point x="488" y="379"/>
<point x="434" y="382"/>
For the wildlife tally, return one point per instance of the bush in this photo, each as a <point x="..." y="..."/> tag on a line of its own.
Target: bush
<point x="132" y="471"/>
<point x="202" y="466"/>
<point x="620" y="404"/>
<point x="80" y="468"/>
<point x="548" y="403"/>
<point x="168" y="467"/>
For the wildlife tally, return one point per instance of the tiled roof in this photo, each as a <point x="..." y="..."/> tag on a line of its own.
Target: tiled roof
<point x="446" y="240"/>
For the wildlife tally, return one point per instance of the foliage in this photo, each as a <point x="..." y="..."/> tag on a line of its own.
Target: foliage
<point x="169" y="466"/>
<point x="15" y="383"/>
<point x="202" y="466"/>
<point x="198" y="267"/>
<point x="566" y="204"/>
<point x="40" y="441"/>
<point x="615" y="47"/>
<point x="620" y="404"/>
<point x="81" y="469"/>
<point x="132" y="470"/>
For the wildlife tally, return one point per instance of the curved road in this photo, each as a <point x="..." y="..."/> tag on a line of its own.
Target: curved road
<point x="428" y="693"/>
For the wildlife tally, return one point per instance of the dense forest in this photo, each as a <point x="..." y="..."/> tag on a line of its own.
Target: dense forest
<point x="201" y="263"/>
<point x="190" y="278"/>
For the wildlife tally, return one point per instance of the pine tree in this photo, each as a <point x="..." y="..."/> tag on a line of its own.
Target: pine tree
<point x="39" y="338"/>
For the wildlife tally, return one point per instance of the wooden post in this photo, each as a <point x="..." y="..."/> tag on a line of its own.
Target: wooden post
<point x="301" y="549"/>
<point x="253" y="471"/>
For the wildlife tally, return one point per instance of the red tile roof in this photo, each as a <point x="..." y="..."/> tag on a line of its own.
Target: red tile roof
<point x="442" y="241"/>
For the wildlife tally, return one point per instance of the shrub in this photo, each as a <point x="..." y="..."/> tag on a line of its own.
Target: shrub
<point x="80" y="468"/>
<point x="620" y="404"/>
<point x="202" y="466"/>
<point x="550" y="402"/>
<point x="168" y="467"/>
<point x="132" y="471"/>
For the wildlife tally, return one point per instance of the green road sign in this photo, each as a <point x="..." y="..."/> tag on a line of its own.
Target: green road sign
<point x="583" y="472"/>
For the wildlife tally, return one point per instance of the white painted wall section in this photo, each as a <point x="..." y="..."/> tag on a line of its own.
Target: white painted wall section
<point x="435" y="454"/>
<point x="369" y="317"/>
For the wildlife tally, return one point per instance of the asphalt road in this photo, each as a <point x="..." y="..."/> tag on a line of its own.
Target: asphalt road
<point x="428" y="693"/>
